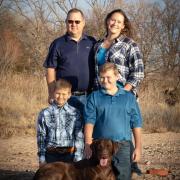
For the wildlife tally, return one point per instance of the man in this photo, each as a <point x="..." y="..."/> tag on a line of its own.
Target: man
<point x="71" y="57"/>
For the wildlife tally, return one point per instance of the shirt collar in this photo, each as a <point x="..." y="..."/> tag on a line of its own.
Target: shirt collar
<point x="120" y="91"/>
<point x="69" y="38"/>
<point x="116" y="39"/>
<point x="120" y="38"/>
<point x="65" y="107"/>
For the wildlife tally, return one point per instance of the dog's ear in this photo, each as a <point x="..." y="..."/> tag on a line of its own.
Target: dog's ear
<point x="116" y="147"/>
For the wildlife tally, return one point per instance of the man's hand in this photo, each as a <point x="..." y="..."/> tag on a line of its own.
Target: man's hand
<point x="87" y="151"/>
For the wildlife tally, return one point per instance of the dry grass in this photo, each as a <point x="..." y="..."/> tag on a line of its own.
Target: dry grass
<point x="23" y="96"/>
<point x="159" y="116"/>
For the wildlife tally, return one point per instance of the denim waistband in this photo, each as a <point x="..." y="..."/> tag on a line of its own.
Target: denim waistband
<point x="123" y="142"/>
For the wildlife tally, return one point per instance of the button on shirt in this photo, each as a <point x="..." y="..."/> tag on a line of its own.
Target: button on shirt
<point x="73" y="61"/>
<point x="60" y="127"/>
<point x="113" y="116"/>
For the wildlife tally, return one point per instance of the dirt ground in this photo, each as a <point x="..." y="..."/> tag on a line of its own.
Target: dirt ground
<point x="18" y="159"/>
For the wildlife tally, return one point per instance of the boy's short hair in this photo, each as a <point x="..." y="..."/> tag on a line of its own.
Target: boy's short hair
<point x="108" y="66"/>
<point x="63" y="84"/>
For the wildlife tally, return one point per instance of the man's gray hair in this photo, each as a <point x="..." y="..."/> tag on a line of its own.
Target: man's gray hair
<point x="75" y="10"/>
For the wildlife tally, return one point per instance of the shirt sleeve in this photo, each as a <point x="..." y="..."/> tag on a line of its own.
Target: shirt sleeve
<point x="136" y="66"/>
<point x="136" y="118"/>
<point x="79" y="138"/>
<point x="90" y="110"/>
<point x="41" y="137"/>
<point x="52" y="57"/>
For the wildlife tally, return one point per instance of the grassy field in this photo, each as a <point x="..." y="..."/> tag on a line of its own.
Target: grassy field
<point x="23" y="96"/>
<point x="160" y="106"/>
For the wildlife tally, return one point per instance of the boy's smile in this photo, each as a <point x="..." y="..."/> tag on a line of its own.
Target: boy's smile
<point x="62" y="95"/>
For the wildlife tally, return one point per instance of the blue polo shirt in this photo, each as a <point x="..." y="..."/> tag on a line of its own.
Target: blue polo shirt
<point x="114" y="116"/>
<point x="73" y="61"/>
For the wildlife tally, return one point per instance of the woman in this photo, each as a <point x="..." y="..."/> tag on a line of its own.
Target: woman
<point x="119" y="48"/>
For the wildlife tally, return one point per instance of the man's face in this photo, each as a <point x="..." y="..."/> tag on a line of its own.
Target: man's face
<point x="75" y="24"/>
<point x="108" y="79"/>
<point x="62" y="95"/>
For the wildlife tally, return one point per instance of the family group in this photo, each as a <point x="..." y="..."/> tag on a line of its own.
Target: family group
<point x="92" y="87"/>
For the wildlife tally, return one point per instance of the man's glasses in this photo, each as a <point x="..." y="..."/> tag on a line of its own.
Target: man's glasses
<point x="76" y="22"/>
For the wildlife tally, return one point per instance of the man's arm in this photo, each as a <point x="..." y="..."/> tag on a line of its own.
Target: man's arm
<point x="51" y="79"/>
<point x="88" y="131"/>
<point x="137" y="138"/>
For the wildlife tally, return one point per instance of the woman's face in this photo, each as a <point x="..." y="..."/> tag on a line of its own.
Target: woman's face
<point x="115" y="24"/>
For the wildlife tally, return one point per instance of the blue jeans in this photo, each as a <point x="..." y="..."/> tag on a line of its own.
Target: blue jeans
<point x="122" y="162"/>
<point x="54" y="157"/>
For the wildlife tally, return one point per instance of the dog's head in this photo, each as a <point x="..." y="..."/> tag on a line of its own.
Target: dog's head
<point x="103" y="150"/>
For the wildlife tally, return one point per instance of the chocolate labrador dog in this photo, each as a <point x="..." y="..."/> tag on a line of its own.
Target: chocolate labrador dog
<point x="98" y="167"/>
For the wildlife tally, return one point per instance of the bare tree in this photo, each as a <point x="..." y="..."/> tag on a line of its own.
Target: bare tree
<point x="39" y="27"/>
<point x="158" y="35"/>
<point x="10" y="51"/>
<point x="169" y="35"/>
<point x="144" y="19"/>
<point x="157" y="27"/>
<point x="65" y="5"/>
<point x="97" y="14"/>
<point x="1" y="1"/>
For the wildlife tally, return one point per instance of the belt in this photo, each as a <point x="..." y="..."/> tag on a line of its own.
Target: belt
<point x="61" y="150"/>
<point x="79" y="93"/>
<point x="123" y="142"/>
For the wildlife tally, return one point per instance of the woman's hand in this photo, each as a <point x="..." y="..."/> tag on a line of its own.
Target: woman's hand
<point x="128" y="87"/>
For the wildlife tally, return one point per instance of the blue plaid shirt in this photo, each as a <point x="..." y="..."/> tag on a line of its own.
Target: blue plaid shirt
<point x="60" y="127"/>
<point x="125" y="53"/>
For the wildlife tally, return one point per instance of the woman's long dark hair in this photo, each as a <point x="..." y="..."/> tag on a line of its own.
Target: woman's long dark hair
<point x="127" y="24"/>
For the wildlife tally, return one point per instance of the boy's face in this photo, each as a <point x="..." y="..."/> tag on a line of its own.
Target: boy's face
<point x="62" y="95"/>
<point x="108" y="79"/>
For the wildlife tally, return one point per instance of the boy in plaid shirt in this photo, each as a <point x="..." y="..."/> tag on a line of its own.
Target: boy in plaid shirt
<point x="59" y="128"/>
